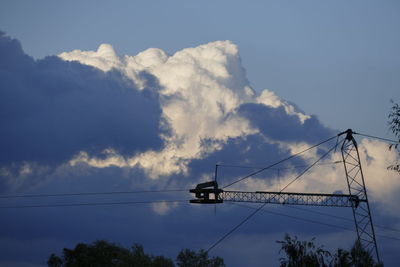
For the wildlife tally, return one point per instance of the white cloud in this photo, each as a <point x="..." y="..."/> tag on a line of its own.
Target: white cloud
<point x="105" y="58"/>
<point x="201" y="91"/>
<point x="202" y="88"/>
<point x="112" y="158"/>
<point x="328" y="176"/>
<point x="162" y="208"/>
<point x="383" y="185"/>
<point x="270" y="99"/>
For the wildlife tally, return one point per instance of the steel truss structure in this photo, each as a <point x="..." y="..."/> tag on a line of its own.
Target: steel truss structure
<point x="310" y="199"/>
<point x="356" y="184"/>
<point x="209" y="193"/>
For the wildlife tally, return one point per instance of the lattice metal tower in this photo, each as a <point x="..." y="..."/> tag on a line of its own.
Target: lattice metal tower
<point x="356" y="185"/>
<point x="209" y="193"/>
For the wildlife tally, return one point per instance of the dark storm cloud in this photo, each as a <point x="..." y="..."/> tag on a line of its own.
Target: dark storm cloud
<point x="51" y="109"/>
<point x="278" y="125"/>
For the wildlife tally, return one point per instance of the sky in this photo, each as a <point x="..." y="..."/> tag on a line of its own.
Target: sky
<point x="102" y="96"/>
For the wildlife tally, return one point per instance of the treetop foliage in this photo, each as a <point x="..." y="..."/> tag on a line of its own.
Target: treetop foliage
<point x="102" y="253"/>
<point x="394" y="126"/>
<point x="306" y="254"/>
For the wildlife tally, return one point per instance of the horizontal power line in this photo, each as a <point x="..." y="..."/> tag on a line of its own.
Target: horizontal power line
<point x="93" y="193"/>
<point x="92" y="204"/>
<point x="309" y="220"/>
<point x="342" y="218"/>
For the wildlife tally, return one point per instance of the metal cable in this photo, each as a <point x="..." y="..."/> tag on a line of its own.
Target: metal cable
<point x="92" y="204"/>
<point x="310" y="221"/>
<point x="93" y="193"/>
<point x="377" y="137"/>
<point x="286" y="168"/>
<point x="272" y="165"/>
<point x="342" y="218"/>
<point x="263" y="205"/>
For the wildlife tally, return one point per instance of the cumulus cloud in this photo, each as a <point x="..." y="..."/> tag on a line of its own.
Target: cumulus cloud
<point x="51" y="110"/>
<point x="383" y="186"/>
<point x="167" y="115"/>
<point x="206" y="101"/>
<point x="214" y="115"/>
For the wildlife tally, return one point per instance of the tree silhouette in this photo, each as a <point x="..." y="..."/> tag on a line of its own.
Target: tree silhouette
<point x="189" y="258"/>
<point x="102" y="253"/>
<point x="307" y="254"/>
<point x="394" y="126"/>
<point x="302" y="253"/>
<point x="342" y="258"/>
<point x="54" y="261"/>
